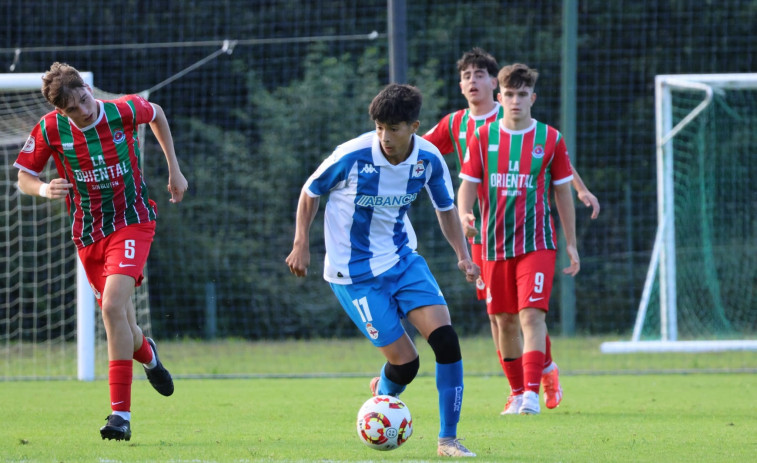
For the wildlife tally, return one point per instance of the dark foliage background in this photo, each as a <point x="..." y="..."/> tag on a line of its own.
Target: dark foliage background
<point x="250" y="125"/>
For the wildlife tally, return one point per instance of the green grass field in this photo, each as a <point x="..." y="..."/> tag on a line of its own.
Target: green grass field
<point x="291" y="414"/>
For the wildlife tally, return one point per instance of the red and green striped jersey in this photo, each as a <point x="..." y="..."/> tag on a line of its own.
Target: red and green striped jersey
<point x="516" y="171"/>
<point x="453" y="134"/>
<point x="101" y="161"/>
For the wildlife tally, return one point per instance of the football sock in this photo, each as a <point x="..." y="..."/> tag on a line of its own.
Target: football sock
<point x="548" y="353"/>
<point x="388" y="387"/>
<point x="449" y="383"/>
<point x="533" y="363"/>
<point x="514" y="374"/>
<point x="551" y="367"/>
<point x="124" y="415"/>
<point x="145" y="355"/>
<point x="119" y="379"/>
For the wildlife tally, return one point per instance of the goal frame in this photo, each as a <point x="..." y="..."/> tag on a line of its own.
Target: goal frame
<point x="663" y="260"/>
<point x="85" y="298"/>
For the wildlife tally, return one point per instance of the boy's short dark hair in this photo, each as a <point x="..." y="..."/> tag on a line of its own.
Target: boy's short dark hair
<point x="396" y="103"/>
<point x="479" y="59"/>
<point x="59" y="82"/>
<point x="516" y="76"/>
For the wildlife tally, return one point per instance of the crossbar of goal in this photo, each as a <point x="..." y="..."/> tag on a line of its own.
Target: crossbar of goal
<point x="85" y="299"/>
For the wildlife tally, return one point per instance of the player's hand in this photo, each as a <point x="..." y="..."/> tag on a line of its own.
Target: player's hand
<point x="575" y="262"/>
<point x="467" y="221"/>
<point x="58" y="188"/>
<point x="591" y="201"/>
<point x="177" y="185"/>
<point x="471" y="270"/>
<point x="298" y="261"/>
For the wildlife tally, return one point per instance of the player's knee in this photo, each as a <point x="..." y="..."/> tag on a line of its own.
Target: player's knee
<point x="445" y="344"/>
<point x="402" y="374"/>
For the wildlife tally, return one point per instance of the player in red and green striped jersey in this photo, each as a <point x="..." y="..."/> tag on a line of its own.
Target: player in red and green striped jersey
<point x="478" y="82"/>
<point x="95" y="148"/>
<point x="512" y="165"/>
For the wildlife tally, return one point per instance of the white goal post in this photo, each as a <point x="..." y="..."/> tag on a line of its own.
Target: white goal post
<point x="85" y="299"/>
<point x="662" y="268"/>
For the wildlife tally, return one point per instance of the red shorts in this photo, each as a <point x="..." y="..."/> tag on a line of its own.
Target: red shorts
<point x="123" y="252"/>
<point x="520" y="282"/>
<point x="477" y="258"/>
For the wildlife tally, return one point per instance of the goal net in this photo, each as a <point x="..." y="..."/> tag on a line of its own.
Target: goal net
<point x="701" y="288"/>
<point x="49" y="324"/>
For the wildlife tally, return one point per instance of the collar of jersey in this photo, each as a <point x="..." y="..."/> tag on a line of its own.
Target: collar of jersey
<point x="380" y="160"/>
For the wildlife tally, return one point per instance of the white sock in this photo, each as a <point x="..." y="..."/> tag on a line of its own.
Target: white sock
<point x="551" y="367"/>
<point x="124" y="415"/>
<point x="154" y="362"/>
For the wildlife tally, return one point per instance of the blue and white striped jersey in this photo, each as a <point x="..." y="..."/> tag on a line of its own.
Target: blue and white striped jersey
<point x="367" y="229"/>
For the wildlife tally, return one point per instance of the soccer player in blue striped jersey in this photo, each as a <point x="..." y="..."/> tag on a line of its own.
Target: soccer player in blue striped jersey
<point x="371" y="260"/>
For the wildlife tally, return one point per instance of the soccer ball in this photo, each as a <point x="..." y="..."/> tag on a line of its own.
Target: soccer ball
<point x="384" y="422"/>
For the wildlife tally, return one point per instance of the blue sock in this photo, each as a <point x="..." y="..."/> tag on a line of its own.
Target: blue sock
<point x="449" y="383"/>
<point x="388" y="387"/>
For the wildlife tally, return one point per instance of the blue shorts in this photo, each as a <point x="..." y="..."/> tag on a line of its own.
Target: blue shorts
<point x="378" y="305"/>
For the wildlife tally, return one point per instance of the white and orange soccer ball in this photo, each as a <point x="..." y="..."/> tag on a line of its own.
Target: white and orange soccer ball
<point x="384" y="422"/>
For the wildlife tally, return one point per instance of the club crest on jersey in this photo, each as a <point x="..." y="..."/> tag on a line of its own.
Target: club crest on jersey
<point x="118" y="137"/>
<point x="538" y="152"/>
<point x="419" y="169"/>
<point x="372" y="332"/>
<point x="29" y="145"/>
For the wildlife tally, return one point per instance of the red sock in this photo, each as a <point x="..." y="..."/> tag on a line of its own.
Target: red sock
<point x="548" y="353"/>
<point x="533" y="362"/>
<point x="144" y="353"/>
<point x="119" y="379"/>
<point x="514" y="373"/>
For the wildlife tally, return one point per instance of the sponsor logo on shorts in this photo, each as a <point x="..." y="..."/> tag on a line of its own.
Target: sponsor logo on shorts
<point x="122" y="265"/>
<point x="97" y="293"/>
<point x="534" y="299"/>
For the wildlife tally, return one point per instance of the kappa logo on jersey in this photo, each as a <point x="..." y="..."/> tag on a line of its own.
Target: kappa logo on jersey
<point x="538" y="152"/>
<point x="372" y="332"/>
<point x="118" y="137"/>
<point x="368" y="169"/>
<point x="419" y="169"/>
<point x="29" y="145"/>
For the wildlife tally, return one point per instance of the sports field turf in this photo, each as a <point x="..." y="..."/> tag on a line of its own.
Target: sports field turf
<point x="674" y="417"/>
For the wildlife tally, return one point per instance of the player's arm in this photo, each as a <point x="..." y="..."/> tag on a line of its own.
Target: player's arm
<point x="177" y="184"/>
<point x="32" y="185"/>
<point x="466" y="197"/>
<point x="584" y="195"/>
<point x="299" y="259"/>
<point x="567" y="213"/>
<point x="449" y="221"/>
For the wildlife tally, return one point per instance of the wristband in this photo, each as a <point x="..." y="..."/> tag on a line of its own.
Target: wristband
<point x="43" y="189"/>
